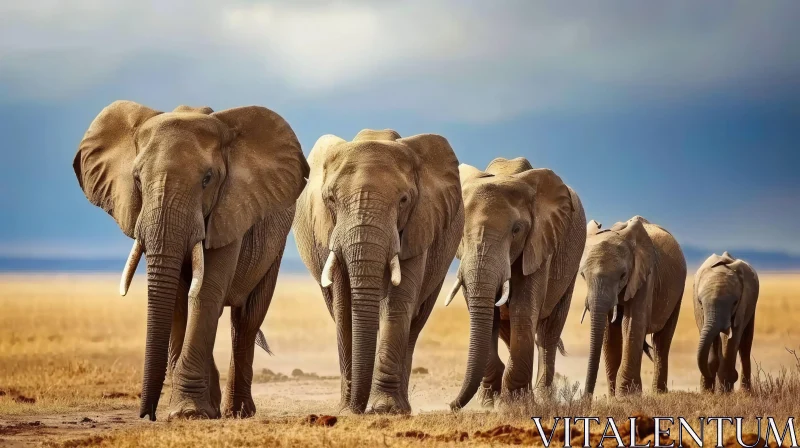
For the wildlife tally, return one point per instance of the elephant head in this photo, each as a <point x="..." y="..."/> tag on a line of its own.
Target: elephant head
<point x="375" y="201"/>
<point x="615" y="264"/>
<point x="514" y="215"/>
<point x="178" y="180"/>
<point x="724" y="288"/>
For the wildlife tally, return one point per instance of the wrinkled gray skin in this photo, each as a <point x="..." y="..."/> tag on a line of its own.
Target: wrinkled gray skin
<point x="199" y="192"/>
<point x="376" y="199"/>
<point x="525" y="226"/>
<point x="725" y="297"/>
<point x="635" y="274"/>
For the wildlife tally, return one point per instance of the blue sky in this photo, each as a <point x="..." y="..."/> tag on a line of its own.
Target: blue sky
<point x="686" y="113"/>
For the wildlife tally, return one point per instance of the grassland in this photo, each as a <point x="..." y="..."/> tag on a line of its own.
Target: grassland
<point x="71" y="352"/>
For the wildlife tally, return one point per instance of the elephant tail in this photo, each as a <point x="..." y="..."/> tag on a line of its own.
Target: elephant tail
<point x="561" y="348"/>
<point x="261" y="341"/>
<point x="647" y="350"/>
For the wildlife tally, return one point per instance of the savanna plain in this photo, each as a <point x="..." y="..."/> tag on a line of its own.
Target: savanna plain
<point x="71" y="353"/>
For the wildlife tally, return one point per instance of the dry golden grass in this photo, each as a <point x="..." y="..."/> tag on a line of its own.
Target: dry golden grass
<point x="73" y="345"/>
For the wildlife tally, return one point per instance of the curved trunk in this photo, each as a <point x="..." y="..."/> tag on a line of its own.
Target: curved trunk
<point x="163" y="275"/>
<point x="481" y="315"/>
<point x="597" y="331"/>
<point x="710" y="331"/>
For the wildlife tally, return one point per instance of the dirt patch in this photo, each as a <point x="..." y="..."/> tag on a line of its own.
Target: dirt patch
<point x="24" y="400"/>
<point x="419" y="370"/>
<point x="455" y="436"/>
<point x="268" y="376"/>
<point x="321" y="420"/>
<point x="113" y="395"/>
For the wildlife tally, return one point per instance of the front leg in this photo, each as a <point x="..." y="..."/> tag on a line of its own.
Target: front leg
<point x="191" y="396"/>
<point x="397" y="310"/>
<point x="245" y="323"/>
<point x="527" y="293"/>
<point x="548" y="335"/>
<point x="634" y="328"/>
<point x="492" y="382"/>
<point x="417" y="323"/>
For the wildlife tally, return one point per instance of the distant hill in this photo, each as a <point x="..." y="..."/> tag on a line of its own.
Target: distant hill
<point x="761" y="260"/>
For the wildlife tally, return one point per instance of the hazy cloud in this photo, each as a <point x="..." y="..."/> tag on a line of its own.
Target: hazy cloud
<point x="452" y="60"/>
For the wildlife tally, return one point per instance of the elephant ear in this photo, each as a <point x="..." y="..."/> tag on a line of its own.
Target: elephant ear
<point x="749" y="279"/>
<point x="644" y="256"/>
<point x="439" y="190"/>
<point x="468" y="172"/>
<point x="104" y="162"/>
<point x="266" y="172"/>
<point x="552" y="210"/>
<point x="205" y="110"/>
<point x="323" y="218"/>
<point x="592" y="228"/>
<point x="501" y="165"/>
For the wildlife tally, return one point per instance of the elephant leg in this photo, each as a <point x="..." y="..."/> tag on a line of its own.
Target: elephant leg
<point x="745" y="346"/>
<point x="548" y="334"/>
<point x="727" y="374"/>
<point x="661" y="344"/>
<point x="492" y="382"/>
<point x="245" y="323"/>
<point x="191" y="395"/>
<point x="214" y="391"/>
<point x="612" y="353"/>
<point x="524" y="310"/>
<point x="416" y="328"/>
<point x="396" y="313"/>
<point x="178" y="326"/>
<point x="629" y="377"/>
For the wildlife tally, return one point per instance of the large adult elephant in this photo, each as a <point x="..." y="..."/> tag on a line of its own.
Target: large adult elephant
<point x="635" y="274"/>
<point x="209" y="198"/>
<point x="524" y="232"/>
<point x="378" y="226"/>
<point x="725" y="297"/>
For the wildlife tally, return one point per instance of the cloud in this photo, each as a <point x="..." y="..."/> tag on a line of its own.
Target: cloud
<point x="448" y="59"/>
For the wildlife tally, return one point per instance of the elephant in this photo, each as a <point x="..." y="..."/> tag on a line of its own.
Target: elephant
<point x="524" y="233"/>
<point x="725" y="297"/>
<point x="378" y="226"/>
<point x="635" y="274"/>
<point x="209" y="198"/>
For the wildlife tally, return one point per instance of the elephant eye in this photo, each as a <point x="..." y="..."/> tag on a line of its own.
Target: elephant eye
<point x="516" y="229"/>
<point x="404" y="199"/>
<point x="622" y="277"/>
<point x="207" y="179"/>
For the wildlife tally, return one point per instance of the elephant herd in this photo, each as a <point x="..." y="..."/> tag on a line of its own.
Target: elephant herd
<point x="210" y="198"/>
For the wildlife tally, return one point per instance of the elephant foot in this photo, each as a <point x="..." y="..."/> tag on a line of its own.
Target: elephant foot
<point x="239" y="407"/>
<point x="191" y="409"/>
<point x="390" y="404"/>
<point x="487" y="396"/>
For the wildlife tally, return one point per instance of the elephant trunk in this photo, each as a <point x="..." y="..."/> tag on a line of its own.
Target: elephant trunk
<point x="367" y="263"/>
<point x="711" y="329"/>
<point x="481" y="315"/>
<point x="163" y="276"/>
<point x="596" y="333"/>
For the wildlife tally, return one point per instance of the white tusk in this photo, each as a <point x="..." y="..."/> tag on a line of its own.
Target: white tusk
<point x="504" y="297"/>
<point x="198" y="269"/>
<point x="453" y="292"/>
<point x="584" y="313"/>
<point x="614" y="315"/>
<point x="130" y="267"/>
<point x="394" y="266"/>
<point x="327" y="271"/>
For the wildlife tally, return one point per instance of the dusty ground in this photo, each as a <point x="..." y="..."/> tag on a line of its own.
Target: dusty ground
<point x="71" y="351"/>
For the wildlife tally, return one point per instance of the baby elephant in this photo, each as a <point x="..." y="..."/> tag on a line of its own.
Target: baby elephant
<point x="725" y="296"/>
<point x="635" y="273"/>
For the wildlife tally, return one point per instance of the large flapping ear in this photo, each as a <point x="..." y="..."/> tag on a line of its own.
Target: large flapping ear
<point x="439" y="193"/>
<point x="749" y="279"/>
<point x="552" y="210"/>
<point x="266" y="172"/>
<point x="509" y="167"/>
<point x="644" y="257"/>
<point x="104" y="162"/>
<point x="592" y="227"/>
<point x="312" y="201"/>
<point x="469" y="172"/>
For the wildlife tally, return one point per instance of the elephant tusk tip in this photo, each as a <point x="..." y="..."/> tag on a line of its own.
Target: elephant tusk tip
<point x="325" y="283"/>
<point x="502" y="301"/>
<point x="447" y="302"/>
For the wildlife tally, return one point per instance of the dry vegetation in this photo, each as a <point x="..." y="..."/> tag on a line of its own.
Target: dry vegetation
<point x="71" y="353"/>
